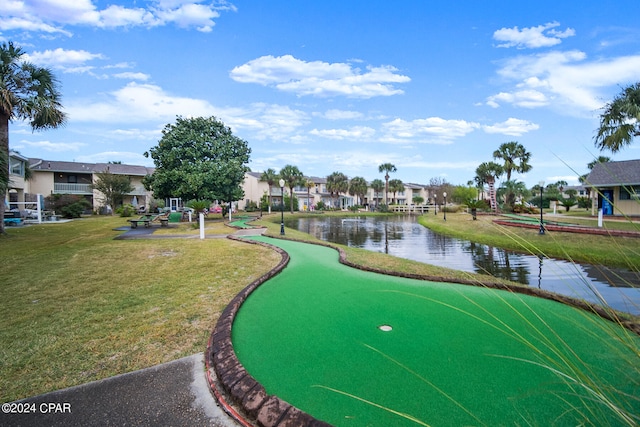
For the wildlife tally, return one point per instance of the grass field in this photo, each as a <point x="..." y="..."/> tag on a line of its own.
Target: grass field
<point x="78" y="306"/>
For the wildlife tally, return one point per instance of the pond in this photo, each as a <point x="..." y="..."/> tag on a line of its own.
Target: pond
<point x="403" y="237"/>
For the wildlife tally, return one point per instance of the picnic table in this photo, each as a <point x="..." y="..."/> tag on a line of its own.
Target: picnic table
<point x="146" y="220"/>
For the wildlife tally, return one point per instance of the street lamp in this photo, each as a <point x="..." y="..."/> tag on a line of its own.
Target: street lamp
<point x="281" y="182"/>
<point x="444" y="209"/>
<point x="541" y="223"/>
<point x="435" y="204"/>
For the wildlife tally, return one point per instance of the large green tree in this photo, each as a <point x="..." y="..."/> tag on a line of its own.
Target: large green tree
<point x="387" y="168"/>
<point x="620" y="121"/>
<point x="27" y="92"/>
<point x="113" y="187"/>
<point x="337" y="183"/>
<point x="292" y="178"/>
<point x="198" y="159"/>
<point x="514" y="156"/>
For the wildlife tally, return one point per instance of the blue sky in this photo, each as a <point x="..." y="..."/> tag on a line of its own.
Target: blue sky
<point x="432" y="87"/>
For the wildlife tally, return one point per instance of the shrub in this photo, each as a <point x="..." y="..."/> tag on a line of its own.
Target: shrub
<point x="251" y="206"/>
<point x="567" y="203"/>
<point x="67" y="205"/>
<point x="198" y="205"/>
<point x="126" y="210"/>
<point x="584" y="202"/>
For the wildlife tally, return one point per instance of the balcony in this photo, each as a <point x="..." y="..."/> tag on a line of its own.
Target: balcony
<point x="65" y="188"/>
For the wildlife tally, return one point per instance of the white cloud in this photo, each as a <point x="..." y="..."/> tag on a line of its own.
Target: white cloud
<point x="191" y="14"/>
<point x="512" y="127"/>
<point x="137" y="103"/>
<point x="354" y="133"/>
<point x="132" y="76"/>
<point x="61" y="58"/>
<point x="52" y="147"/>
<point x="522" y="98"/>
<point x="533" y="37"/>
<point x="52" y="16"/>
<point x="319" y="78"/>
<point x="576" y="85"/>
<point x="118" y="16"/>
<point x="435" y="129"/>
<point x="342" y="115"/>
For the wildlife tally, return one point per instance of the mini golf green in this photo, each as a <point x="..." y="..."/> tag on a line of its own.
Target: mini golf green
<point x="354" y="348"/>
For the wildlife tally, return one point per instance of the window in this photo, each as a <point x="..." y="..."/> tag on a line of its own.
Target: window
<point x="72" y="179"/>
<point x="629" y="192"/>
<point x="17" y="167"/>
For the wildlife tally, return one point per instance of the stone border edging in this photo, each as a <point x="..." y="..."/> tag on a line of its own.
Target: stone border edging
<point x="238" y="385"/>
<point x="265" y="410"/>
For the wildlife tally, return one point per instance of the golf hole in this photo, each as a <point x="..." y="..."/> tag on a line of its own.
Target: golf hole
<point x="385" y="328"/>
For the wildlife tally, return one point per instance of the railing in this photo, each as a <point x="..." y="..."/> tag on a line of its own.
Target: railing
<point x="412" y="208"/>
<point x="65" y="188"/>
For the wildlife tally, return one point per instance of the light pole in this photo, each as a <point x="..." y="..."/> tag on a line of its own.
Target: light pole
<point x="281" y="182"/>
<point x="541" y="223"/>
<point x="444" y="209"/>
<point x="435" y="204"/>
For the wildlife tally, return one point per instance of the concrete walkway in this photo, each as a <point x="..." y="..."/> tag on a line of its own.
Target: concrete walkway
<point x="172" y="394"/>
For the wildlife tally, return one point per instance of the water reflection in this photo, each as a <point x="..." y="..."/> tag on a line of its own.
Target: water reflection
<point x="404" y="237"/>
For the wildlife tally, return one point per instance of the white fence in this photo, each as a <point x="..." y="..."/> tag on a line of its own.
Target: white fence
<point x="37" y="213"/>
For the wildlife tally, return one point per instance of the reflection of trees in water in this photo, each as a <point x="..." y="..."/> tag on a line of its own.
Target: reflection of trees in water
<point x="496" y="262"/>
<point x="613" y="277"/>
<point x="438" y="243"/>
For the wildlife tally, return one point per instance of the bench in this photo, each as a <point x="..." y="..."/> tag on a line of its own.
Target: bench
<point x="148" y="219"/>
<point x="134" y="222"/>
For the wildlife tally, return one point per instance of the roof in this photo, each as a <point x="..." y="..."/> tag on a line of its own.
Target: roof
<point x="17" y="155"/>
<point x="79" y="167"/>
<point x="614" y="174"/>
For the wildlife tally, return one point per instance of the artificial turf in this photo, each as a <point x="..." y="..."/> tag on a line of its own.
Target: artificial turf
<point x="456" y="355"/>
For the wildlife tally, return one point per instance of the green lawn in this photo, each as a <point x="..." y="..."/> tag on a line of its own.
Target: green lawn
<point x="78" y="306"/>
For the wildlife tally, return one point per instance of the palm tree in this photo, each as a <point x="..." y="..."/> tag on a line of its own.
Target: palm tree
<point x="386" y="168"/>
<point x="600" y="159"/>
<point x="515" y="157"/>
<point x="395" y="186"/>
<point x="377" y="186"/>
<point x="269" y="176"/>
<point x="4" y="178"/>
<point x="292" y="177"/>
<point x="358" y="187"/>
<point x="27" y="92"/>
<point x="309" y="184"/>
<point x="337" y="183"/>
<point x="487" y="173"/>
<point x="620" y="122"/>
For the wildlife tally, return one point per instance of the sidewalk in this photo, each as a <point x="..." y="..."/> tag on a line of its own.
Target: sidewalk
<point x="172" y="394"/>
